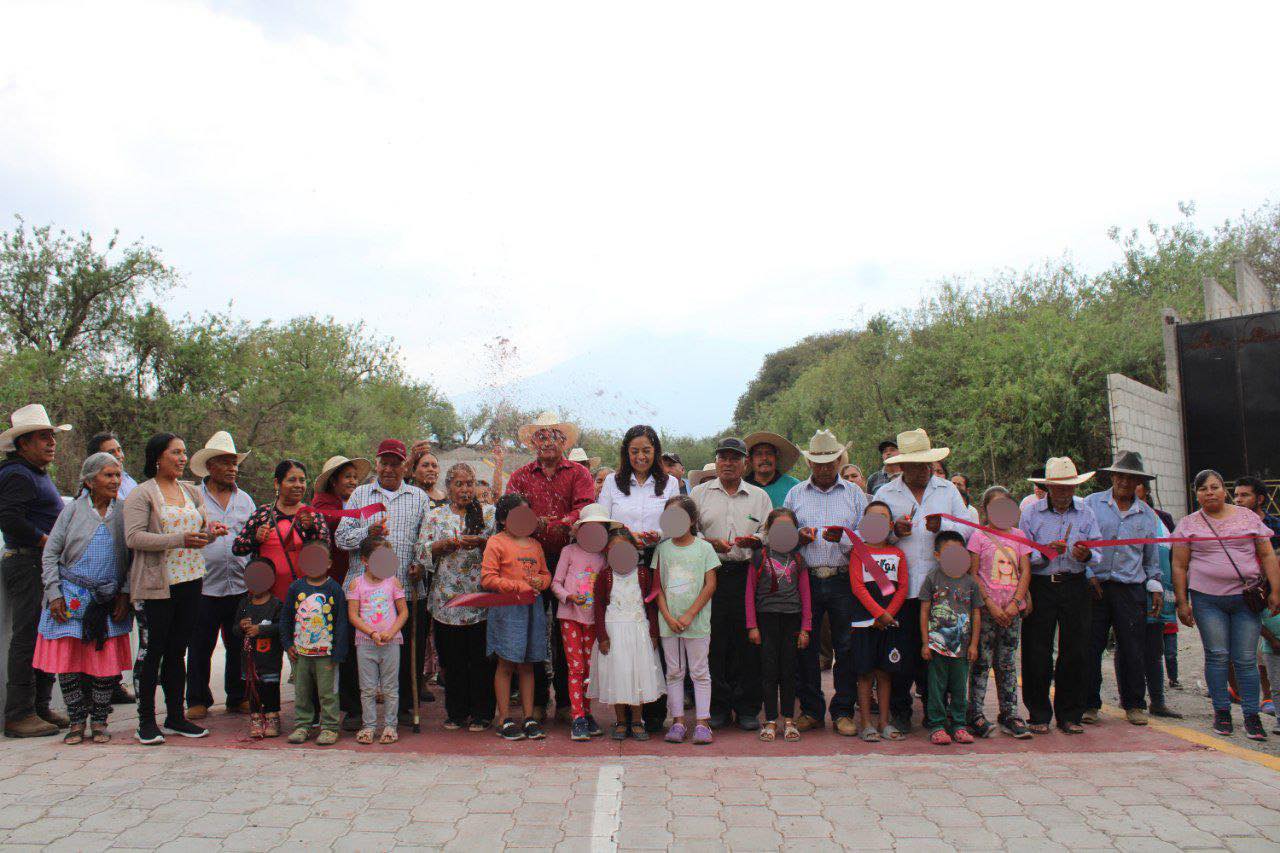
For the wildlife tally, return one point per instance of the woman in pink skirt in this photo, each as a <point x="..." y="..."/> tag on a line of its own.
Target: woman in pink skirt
<point x="84" y="631"/>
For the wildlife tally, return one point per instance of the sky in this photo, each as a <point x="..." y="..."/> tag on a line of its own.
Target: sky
<point x="644" y="199"/>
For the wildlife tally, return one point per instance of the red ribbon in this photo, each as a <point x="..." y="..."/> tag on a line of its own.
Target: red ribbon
<point x="1050" y="554"/>
<point x="492" y="599"/>
<point x="362" y="512"/>
<point x="861" y="553"/>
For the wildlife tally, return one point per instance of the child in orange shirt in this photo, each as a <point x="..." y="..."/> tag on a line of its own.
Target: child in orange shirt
<point x="517" y="633"/>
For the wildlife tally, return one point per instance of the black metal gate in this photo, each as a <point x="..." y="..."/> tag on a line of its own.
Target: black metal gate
<point x="1230" y="373"/>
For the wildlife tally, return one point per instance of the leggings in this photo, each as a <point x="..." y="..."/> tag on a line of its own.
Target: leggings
<point x="87" y="696"/>
<point x="688" y="655"/>
<point x="164" y="630"/>
<point x="578" y="638"/>
<point x="778" y="655"/>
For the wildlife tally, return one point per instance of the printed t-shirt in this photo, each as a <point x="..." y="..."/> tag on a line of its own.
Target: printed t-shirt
<point x="893" y="562"/>
<point x="314" y="612"/>
<point x="951" y="602"/>
<point x="683" y="571"/>
<point x="377" y="606"/>
<point x="998" y="564"/>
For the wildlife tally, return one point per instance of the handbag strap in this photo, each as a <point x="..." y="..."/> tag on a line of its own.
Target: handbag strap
<point x="284" y="546"/>
<point x="1225" y="550"/>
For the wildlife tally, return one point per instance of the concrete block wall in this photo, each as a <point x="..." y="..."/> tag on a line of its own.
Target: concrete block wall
<point x="1150" y="422"/>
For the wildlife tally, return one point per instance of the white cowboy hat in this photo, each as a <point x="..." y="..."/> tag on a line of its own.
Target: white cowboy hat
<point x="31" y="418"/>
<point x="914" y="446"/>
<point x="548" y="420"/>
<point x="707" y="472"/>
<point x="333" y="463"/>
<point x="824" y="447"/>
<point x="580" y="455"/>
<point x="1061" y="471"/>
<point x="219" y="444"/>
<point x="788" y="453"/>
<point x="595" y="512"/>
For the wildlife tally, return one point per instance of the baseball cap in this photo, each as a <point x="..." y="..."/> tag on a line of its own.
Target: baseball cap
<point x="394" y="447"/>
<point x="888" y="442"/>
<point x="731" y="443"/>
<point x="672" y="457"/>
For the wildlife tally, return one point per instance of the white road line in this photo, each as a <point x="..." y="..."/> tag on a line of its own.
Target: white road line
<point x="606" y="814"/>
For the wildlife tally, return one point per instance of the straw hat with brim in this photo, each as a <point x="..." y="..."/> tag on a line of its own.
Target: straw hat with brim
<point x="1129" y="462"/>
<point x="219" y="444"/>
<point x="579" y="455"/>
<point x="26" y="420"/>
<point x="595" y="512"/>
<point x="824" y="447"/>
<point x="708" y="472"/>
<point x="1061" y="471"/>
<point x="914" y="446"/>
<point x="788" y="453"/>
<point x="548" y="420"/>
<point x="334" y="463"/>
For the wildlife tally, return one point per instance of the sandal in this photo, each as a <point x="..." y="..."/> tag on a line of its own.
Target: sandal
<point x="364" y="736"/>
<point x="639" y="732"/>
<point x="619" y="731"/>
<point x="870" y="735"/>
<point x="101" y="736"/>
<point x="1038" y="728"/>
<point x="892" y="732"/>
<point x="389" y="735"/>
<point x="789" y="731"/>
<point x="74" y="736"/>
<point x="1071" y="728"/>
<point x="940" y="738"/>
<point x="769" y="731"/>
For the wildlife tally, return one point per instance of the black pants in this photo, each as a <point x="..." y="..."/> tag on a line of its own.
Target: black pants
<point x="410" y="666"/>
<point x="164" y="630"/>
<point x="778" y="632"/>
<point x="216" y="616"/>
<point x="559" y="669"/>
<point x="735" y="661"/>
<point x="833" y="598"/>
<point x="28" y="689"/>
<point x="914" y="670"/>
<point x="1060" y="609"/>
<point x="468" y="672"/>
<point x="1123" y="606"/>
<point x="1153" y="662"/>
<point x="267" y="700"/>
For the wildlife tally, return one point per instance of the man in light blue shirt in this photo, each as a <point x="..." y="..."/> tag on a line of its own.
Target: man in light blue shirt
<point x="1060" y="600"/>
<point x="1119" y="584"/>
<point x="825" y="500"/>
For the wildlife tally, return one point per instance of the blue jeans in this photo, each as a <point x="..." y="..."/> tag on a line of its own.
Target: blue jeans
<point x="1229" y="631"/>
<point x="832" y="596"/>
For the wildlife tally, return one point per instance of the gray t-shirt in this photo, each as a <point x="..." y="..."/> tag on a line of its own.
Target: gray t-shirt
<point x="951" y="602"/>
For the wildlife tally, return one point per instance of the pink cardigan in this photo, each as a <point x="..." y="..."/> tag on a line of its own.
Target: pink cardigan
<point x="575" y="574"/>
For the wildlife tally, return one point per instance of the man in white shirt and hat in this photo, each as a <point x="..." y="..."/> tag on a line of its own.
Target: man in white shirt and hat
<point x="916" y="498"/>
<point x="218" y="465"/>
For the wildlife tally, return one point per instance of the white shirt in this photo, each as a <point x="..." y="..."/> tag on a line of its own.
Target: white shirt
<point x="641" y="509"/>
<point x="725" y="516"/>
<point x="939" y="496"/>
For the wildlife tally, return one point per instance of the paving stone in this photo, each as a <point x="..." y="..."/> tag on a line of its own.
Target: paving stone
<point x="256" y="838"/>
<point x="695" y="826"/>
<point x="752" y="838"/>
<point x="805" y="826"/>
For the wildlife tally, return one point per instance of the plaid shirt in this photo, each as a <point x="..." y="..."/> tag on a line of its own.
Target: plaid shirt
<point x="407" y="508"/>
<point x="841" y="505"/>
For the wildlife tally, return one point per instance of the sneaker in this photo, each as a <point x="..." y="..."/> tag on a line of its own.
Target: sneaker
<point x="981" y="727"/>
<point x="1136" y="716"/>
<point x="846" y="726"/>
<point x="702" y="734"/>
<point x="479" y="725"/>
<point x="593" y="728"/>
<point x="676" y="734"/>
<point x="961" y="735"/>
<point x="1175" y="684"/>
<point x="1253" y="727"/>
<point x="299" y="735"/>
<point x="1222" y="723"/>
<point x="185" y="727"/>
<point x="148" y="733"/>
<point x="1015" y="727"/>
<point x="328" y="737"/>
<point x="271" y="728"/>
<point x="451" y="725"/>
<point x="533" y="729"/>
<point x="578" y="729"/>
<point x="509" y="730"/>
<point x="940" y="738"/>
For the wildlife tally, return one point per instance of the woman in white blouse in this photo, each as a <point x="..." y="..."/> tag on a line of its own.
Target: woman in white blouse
<point x="637" y="493"/>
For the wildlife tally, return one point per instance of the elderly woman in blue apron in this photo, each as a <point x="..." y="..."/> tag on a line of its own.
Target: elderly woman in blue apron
<point x="84" y="631"/>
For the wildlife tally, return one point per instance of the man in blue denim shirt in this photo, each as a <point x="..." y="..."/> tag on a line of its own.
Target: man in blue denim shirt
<point x="1059" y="600"/>
<point x="1119" y="586"/>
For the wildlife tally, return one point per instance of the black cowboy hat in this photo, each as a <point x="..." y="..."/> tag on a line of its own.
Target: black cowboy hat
<point x="1129" y="462"/>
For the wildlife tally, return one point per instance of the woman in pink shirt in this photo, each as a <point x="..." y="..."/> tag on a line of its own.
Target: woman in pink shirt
<point x="573" y="584"/>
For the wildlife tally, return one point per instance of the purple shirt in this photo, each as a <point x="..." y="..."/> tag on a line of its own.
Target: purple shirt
<point x="1210" y="570"/>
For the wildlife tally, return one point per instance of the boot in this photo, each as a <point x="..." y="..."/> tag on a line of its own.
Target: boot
<point x="53" y="718"/>
<point x="257" y="727"/>
<point x="272" y="727"/>
<point x="29" y="726"/>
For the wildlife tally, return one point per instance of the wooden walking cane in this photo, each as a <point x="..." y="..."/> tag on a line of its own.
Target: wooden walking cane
<point x="413" y="656"/>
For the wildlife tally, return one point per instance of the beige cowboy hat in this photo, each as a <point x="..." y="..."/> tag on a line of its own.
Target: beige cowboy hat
<point x="219" y="444"/>
<point x="707" y="472"/>
<point x="333" y="463"/>
<point x="595" y="512"/>
<point x="824" y="447"/>
<point x="914" y="446"/>
<point x="1061" y="471"/>
<point x="788" y="453"/>
<point x="548" y="420"/>
<point x="580" y="455"/>
<point x="28" y="419"/>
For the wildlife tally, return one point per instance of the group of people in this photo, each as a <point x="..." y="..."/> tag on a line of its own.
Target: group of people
<point x="623" y="586"/>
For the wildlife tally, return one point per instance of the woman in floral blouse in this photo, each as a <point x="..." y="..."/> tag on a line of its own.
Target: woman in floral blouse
<point x="455" y="535"/>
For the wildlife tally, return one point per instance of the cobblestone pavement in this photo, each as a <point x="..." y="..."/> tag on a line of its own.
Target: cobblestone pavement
<point x="95" y="797"/>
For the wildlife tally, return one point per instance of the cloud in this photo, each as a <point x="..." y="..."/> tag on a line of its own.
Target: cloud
<point x="574" y="174"/>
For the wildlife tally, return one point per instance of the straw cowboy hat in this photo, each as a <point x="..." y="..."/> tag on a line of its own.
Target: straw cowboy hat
<point x="1129" y="462"/>
<point x="914" y="446"/>
<point x="28" y="419"/>
<point x="1061" y="471"/>
<point x="788" y="453"/>
<point x="333" y="463"/>
<point x="824" y="447"/>
<point x="708" y="472"/>
<point x="580" y="455"/>
<point x="595" y="512"/>
<point x="219" y="444"/>
<point x="548" y="420"/>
